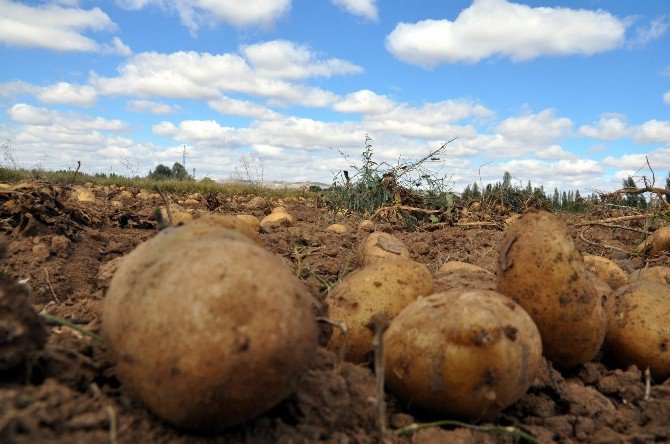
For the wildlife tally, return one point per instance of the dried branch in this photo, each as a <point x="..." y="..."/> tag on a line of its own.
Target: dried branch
<point x="596" y="244"/>
<point x="53" y="293"/>
<point x="514" y="431"/>
<point x="621" y="227"/>
<point x="404" y="208"/>
<point x="660" y="192"/>
<point x="617" y="219"/>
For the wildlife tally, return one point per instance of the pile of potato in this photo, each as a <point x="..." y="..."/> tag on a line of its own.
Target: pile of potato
<point x="208" y="329"/>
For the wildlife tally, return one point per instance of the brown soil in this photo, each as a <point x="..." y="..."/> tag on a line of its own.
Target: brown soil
<point x="67" y="391"/>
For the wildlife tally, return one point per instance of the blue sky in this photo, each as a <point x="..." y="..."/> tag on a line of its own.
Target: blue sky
<point x="572" y="94"/>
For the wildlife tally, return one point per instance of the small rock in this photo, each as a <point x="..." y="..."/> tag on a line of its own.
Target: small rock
<point x="116" y="203"/>
<point x="125" y="196"/>
<point x="60" y="246"/>
<point x="107" y="270"/>
<point x="421" y="248"/>
<point x="40" y="253"/>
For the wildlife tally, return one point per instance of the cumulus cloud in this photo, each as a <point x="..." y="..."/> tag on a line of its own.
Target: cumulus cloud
<point x="666" y="97"/>
<point x="196" y="13"/>
<point x="281" y="59"/>
<point x="148" y="106"/>
<point x="362" y="8"/>
<point x="30" y="115"/>
<point x="491" y="28"/>
<point x="658" y="158"/>
<point x="554" y="152"/>
<point x="533" y="132"/>
<point x="364" y="102"/>
<point x="193" y="75"/>
<point x="54" y="27"/>
<point x="244" y="108"/>
<point x="61" y="93"/>
<point x="653" y="131"/>
<point x="609" y="127"/>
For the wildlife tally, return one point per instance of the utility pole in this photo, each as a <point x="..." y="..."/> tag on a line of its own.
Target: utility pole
<point x="193" y="172"/>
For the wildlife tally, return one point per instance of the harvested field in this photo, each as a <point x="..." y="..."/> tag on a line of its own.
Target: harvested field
<point x="66" y="246"/>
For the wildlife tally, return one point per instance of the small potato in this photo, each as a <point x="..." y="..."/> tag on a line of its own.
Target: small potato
<point x="226" y="221"/>
<point x="257" y="203"/>
<point x="607" y="270"/>
<point x="366" y="225"/>
<point x="338" y="228"/>
<point x="279" y="210"/>
<point x="251" y="220"/>
<point x="464" y="354"/>
<point x="380" y="246"/>
<point x="455" y="274"/>
<point x="657" y="274"/>
<point x="383" y="288"/>
<point x="276" y="220"/>
<point x="656" y="243"/>
<point x="206" y="328"/>
<point x="639" y="332"/>
<point x="540" y="268"/>
<point x="81" y="194"/>
<point x="179" y="216"/>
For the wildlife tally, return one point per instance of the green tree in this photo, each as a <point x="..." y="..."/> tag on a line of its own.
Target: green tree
<point x="179" y="172"/>
<point x="161" y="172"/>
<point x="556" y="199"/>
<point x="507" y="180"/>
<point x="477" y="194"/>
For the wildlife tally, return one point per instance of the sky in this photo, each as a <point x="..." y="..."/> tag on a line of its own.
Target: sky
<point x="567" y="94"/>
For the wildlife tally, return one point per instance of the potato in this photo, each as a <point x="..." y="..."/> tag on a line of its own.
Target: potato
<point x="656" y="274"/>
<point x="382" y="288"/>
<point x="462" y="354"/>
<point x="380" y="246"/>
<point x="226" y="221"/>
<point x="276" y="220"/>
<point x="338" y="228"/>
<point x="639" y="331"/>
<point x="657" y="242"/>
<point x="251" y="220"/>
<point x="540" y="268"/>
<point x="455" y="274"/>
<point x="607" y="270"/>
<point x="279" y="210"/>
<point x="366" y="225"/>
<point x="206" y="328"/>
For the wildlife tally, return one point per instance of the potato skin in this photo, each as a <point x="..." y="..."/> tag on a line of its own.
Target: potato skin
<point x="639" y="332"/>
<point x="206" y="328"/>
<point x="454" y="274"/>
<point x="658" y="274"/>
<point x="540" y="268"/>
<point x="227" y="221"/>
<point x="380" y="246"/>
<point x="383" y="288"/>
<point x="462" y="353"/>
<point x="656" y="242"/>
<point x="606" y="270"/>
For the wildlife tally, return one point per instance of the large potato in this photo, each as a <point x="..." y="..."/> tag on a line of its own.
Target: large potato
<point x="540" y="268"/>
<point x="227" y="221"/>
<point x="455" y="274"/>
<point x="656" y="243"/>
<point x="606" y="270"/>
<point x="380" y="246"/>
<point x="383" y="288"/>
<point x="657" y="274"/>
<point x="639" y="332"/>
<point x="463" y="353"/>
<point x="206" y="328"/>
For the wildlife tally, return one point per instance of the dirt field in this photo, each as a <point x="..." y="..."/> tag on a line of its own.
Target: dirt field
<point x="68" y="392"/>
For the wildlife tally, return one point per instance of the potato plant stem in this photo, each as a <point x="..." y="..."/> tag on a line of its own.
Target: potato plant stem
<point x="514" y="431"/>
<point x="68" y="324"/>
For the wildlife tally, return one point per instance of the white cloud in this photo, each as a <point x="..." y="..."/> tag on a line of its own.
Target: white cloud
<point x="67" y="93"/>
<point x="658" y="159"/>
<point x="235" y="107"/>
<point x="30" y="115"/>
<point x="363" y="8"/>
<point x="535" y="130"/>
<point x="192" y="75"/>
<point x="653" y="131"/>
<point x="554" y="152"/>
<point x="567" y="172"/>
<point x="51" y="26"/>
<point x="196" y="13"/>
<point x="666" y="97"/>
<point x="281" y="59"/>
<point x="609" y="127"/>
<point x="116" y="47"/>
<point x="645" y="34"/>
<point x="364" y="102"/>
<point x="151" y="107"/>
<point x="500" y="28"/>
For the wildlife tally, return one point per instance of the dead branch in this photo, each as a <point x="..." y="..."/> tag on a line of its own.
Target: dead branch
<point x="621" y="227"/>
<point x="167" y="205"/>
<point x="476" y="224"/>
<point x="617" y="219"/>
<point x="660" y="192"/>
<point x="74" y="175"/>
<point x="414" y="165"/>
<point x="53" y="293"/>
<point x="581" y="236"/>
<point x="647" y="384"/>
<point x="403" y="208"/>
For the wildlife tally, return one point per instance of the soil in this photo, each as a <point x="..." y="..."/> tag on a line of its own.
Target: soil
<point x="64" y="252"/>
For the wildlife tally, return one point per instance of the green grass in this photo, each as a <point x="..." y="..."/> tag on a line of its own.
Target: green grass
<point x="11" y="175"/>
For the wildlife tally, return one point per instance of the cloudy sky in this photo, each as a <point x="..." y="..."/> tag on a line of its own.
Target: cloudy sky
<point x="562" y="93"/>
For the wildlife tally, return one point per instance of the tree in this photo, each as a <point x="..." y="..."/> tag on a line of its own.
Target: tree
<point x="477" y="194"/>
<point x="556" y="199"/>
<point x="179" y="172"/>
<point x="161" y="172"/>
<point x="507" y="180"/>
